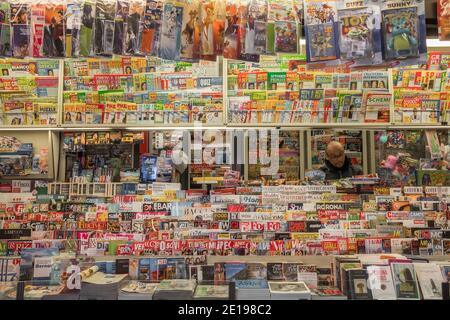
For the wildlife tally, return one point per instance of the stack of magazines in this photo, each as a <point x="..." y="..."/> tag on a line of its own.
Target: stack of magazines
<point x="289" y="291"/>
<point x="327" y="293"/>
<point x="137" y="290"/>
<point x="101" y="286"/>
<point x="212" y="292"/>
<point x="178" y="289"/>
<point x="252" y="290"/>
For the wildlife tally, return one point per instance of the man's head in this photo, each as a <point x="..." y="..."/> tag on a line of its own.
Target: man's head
<point x="335" y="154"/>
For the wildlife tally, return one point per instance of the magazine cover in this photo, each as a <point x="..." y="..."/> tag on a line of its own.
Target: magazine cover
<point x="321" y="31"/>
<point x="87" y="28"/>
<point x="73" y="25"/>
<point x="430" y="280"/>
<point x="20" y="21"/>
<point x="37" y="28"/>
<point x="53" y="43"/>
<point x="170" y="45"/>
<point x="104" y="27"/>
<point x="190" y="34"/>
<point x="151" y="32"/>
<point x="5" y="30"/>
<point x="133" y="29"/>
<point x="360" y="35"/>
<point x="120" y="18"/>
<point x="444" y="19"/>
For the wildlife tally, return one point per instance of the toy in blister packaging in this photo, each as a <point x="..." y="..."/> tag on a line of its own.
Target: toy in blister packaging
<point x="400" y="28"/>
<point x="404" y="32"/>
<point x="396" y="139"/>
<point x="360" y="35"/>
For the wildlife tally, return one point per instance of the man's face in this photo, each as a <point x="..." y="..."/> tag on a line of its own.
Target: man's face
<point x="336" y="157"/>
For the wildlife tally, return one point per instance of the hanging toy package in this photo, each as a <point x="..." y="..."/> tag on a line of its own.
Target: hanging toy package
<point x="404" y="31"/>
<point x="321" y="31"/>
<point x="360" y="33"/>
<point x="72" y="28"/>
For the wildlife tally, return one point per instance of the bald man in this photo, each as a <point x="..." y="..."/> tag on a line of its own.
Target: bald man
<point x="337" y="164"/>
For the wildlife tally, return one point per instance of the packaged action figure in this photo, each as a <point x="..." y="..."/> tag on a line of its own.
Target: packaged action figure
<point x="73" y="25"/>
<point x="53" y="43"/>
<point x="104" y="27"/>
<point x="170" y="46"/>
<point x="87" y="28"/>
<point x="151" y="32"/>
<point x="5" y="30"/>
<point x="231" y="35"/>
<point x="404" y="32"/>
<point x="400" y="27"/>
<point x="360" y="35"/>
<point x="20" y="23"/>
<point x="121" y="16"/>
<point x="190" y="34"/>
<point x="133" y="35"/>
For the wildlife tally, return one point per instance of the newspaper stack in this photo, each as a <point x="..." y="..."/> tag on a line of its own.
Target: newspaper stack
<point x="289" y="291"/>
<point x="212" y="292"/>
<point x="252" y="290"/>
<point x="137" y="290"/>
<point x="177" y="289"/>
<point x="100" y="286"/>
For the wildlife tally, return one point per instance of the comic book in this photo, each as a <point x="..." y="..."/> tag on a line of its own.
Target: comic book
<point x="190" y="34"/>
<point x="5" y="30"/>
<point x="151" y="31"/>
<point x="401" y="33"/>
<point x="444" y="19"/>
<point x="37" y="28"/>
<point x="87" y="28"/>
<point x="73" y="25"/>
<point x="20" y="22"/>
<point x="170" y="46"/>
<point x="321" y="31"/>
<point x="360" y="34"/>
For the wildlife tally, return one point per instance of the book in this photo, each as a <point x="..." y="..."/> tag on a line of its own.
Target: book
<point x="380" y="282"/>
<point x="405" y="281"/>
<point x="430" y="280"/>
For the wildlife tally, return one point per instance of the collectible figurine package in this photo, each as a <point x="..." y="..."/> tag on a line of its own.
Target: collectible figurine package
<point x="87" y="28"/>
<point x="360" y="33"/>
<point x="321" y="31"/>
<point x="133" y="34"/>
<point x="20" y="29"/>
<point x="151" y="30"/>
<point x="73" y="25"/>
<point x="404" y="31"/>
<point x="170" y="46"/>
<point x="104" y="27"/>
<point x="190" y="34"/>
